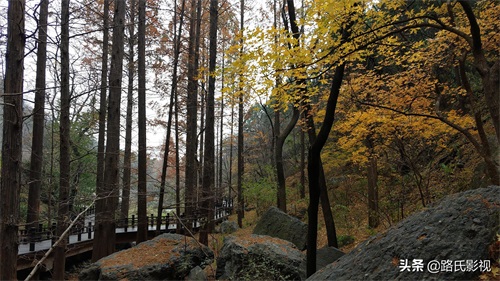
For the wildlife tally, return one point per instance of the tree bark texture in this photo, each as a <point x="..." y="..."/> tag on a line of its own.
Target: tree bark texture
<point x="127" y="155"/>
<point x="142" y="217"/>
<point x="191" y="122"/>
<point x="107" y="201"/>
<point x="35" y="185"/>
<point x="208" y="188"/>
<point x="64" y="135"/>
<point x="314" y="168"/>
<point x="12" y="141"/>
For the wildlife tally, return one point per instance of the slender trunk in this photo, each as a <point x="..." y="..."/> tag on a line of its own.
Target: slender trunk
<point x="100" y="189"/>
<point x="103" y="101"/>
<point x="36" y="164"/>
<point x="142" y="218"/>
<point x="191" y="122"/>
<point x="12" y="141"/>
<point x="302" y="164"/>
<point x="173" y="93"/>
<point x="331" y="231"/>
<point x="64" y="154"/>
<point x="490" y="76"/>
<point x="177" y="163"/>
<point x="373" y="219"/>
<point x="125" y="204"/>
<point x="107" y="201"/>
<point x="315" y="170"/>
<point x="280" y="171"/>
<point x="209" y="161"/>
<point x="241" y="165"/>
<point x="492" y="169"/>
<point x="221" y="127"/>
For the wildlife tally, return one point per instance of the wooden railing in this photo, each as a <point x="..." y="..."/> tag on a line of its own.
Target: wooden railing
<point x="85" y="227"/>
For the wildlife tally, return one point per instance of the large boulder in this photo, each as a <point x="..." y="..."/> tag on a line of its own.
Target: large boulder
<point x="278" y="224"/>
<point x="166" y="257"/>
<point x="423" y="246"/>
<point x="259" y="257"/>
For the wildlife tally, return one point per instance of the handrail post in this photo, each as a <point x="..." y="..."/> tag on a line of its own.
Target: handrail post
<point x="125" y="226"/>
<point x="89" y="230"/>
<point x="31" y="238"/>
<point x="53" y="233"/>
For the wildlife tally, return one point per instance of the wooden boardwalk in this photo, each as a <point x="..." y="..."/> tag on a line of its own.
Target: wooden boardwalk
<point x="34" y="245"/>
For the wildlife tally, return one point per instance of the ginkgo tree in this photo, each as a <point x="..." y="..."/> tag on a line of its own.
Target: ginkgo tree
<point x="410" y="46"/>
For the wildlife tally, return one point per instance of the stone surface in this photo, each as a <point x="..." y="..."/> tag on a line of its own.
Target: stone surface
<point x="259" y="257"/>
<point x="197" y="274"/>
<point x="458" y="228"/>
<point x="166" y="257"/>
<point x="228" y="227"/>
<point x="327" y="255"/>
<point x="278" y="224"/>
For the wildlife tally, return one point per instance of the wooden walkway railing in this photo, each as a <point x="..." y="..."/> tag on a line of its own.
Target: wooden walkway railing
<point x="32" y="240"/>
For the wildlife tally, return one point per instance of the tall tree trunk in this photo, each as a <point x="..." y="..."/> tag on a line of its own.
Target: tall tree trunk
<point x="302" y="164"/>
<point x="35" y="185"/>
<point x="373" y="218"/>
<point x="209" y="161"/>
<point x="281" y="136"/>
<point x="280" y="169"/>
<point x="64" y="154"/>
<point x="173" y="93"/>
<point x="103" y="101"/>
<point x="142" y="217"/>
<point x="12" y="141"/>
<point x="331" y="231"/>
<point x="177" y="164"/>
<point x="107" y="201"/>
<point x="241" y="164"/>
<point x="489" y="71"/>
<point x="191" y="122"/>
<point x="127" y="156"/>
<point x="314" y="168"/>
<point x="220" y="191"/>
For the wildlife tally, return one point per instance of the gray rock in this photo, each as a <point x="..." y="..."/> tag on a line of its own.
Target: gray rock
<point x="259" y="257"/>
<point x="228" y="227"/>
<point x="459" y="228"/>
<point x="197" y="274"/>
<point x="327" y="255"/>
<point x="166" y="257"/>
<point x="278" y="224"/>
